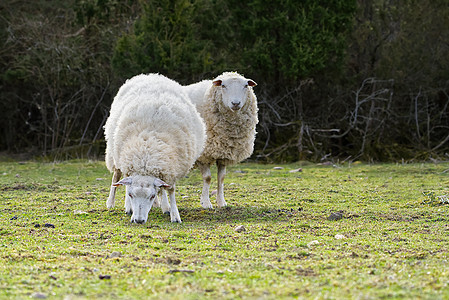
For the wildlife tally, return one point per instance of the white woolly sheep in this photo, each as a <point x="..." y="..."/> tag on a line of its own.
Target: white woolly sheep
<point x="153" y="136"/>
<point x="228" y="106"/>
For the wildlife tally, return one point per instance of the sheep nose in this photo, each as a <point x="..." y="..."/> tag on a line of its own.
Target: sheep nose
<point x="139" y="221"/>
<point x="236" y="103"/>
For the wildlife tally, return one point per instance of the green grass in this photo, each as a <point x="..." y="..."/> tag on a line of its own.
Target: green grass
<point x="57" y="237"/>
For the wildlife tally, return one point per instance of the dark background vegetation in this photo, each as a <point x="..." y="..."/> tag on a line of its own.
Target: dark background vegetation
<point x="336" y="79"/>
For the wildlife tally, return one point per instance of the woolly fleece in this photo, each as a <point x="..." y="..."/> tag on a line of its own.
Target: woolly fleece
<point x="153" y="129"/>
<point x="230" y="135"/>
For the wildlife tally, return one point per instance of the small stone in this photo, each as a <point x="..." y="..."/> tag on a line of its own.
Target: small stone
<point x="240" y="172"/>
<point x="339" y="236"/>
<point x="80" y="212"/>
<point x="173" y="261"/>
<point x="115" y="254"/>
<point x="99" y="179"/>
<point x="313" y="243"/>
<point x="335" y="216"/>
<point x="104" y="277"/>
<point x="278" y="168"/>
<point x="48" y="225"/>
<point x="17" y="176"/>
<point x="240" y="228"/>
<point x="295" y="170"/>
<point x="354" y="255"/>
<point x="39" y="296"/>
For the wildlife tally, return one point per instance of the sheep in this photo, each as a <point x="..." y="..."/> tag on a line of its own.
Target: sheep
<point x="154" y="135"/>
<point x="228" y="106"/>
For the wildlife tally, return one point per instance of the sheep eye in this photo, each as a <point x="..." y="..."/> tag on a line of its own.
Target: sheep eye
<point x="130" y="195"/>
<point x="223" y="86"/>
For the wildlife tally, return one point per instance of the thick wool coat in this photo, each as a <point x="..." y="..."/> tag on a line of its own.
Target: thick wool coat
<point x="230" y="134"/>
<point x="153" y="129"/>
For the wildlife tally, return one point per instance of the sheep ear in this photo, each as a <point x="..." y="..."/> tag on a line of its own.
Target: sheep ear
<point x="160" y="183"/>
<point x="251" y="83"/>
<point x="124" y="181"/>
<point x="217" y="82"/>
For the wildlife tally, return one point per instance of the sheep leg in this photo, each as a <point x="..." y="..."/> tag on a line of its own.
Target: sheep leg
<point x="220" y="184"/>
<point x="174" y="213"/>
<point x="165" y="206"/>
<point x="157" y="202"/>
<point x="115" y="178"/>
<point x="128" y="205"/>
<point x="205" y="171"/>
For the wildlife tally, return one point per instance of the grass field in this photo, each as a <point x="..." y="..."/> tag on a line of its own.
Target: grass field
<point x="325" y="232"/>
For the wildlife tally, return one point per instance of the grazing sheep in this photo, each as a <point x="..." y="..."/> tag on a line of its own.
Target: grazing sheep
<point x="153" y="136"/>
<point x="228" y="106"/>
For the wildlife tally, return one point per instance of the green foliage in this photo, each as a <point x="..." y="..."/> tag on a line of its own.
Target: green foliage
<point x="165" y="40"/>
<point x="287" y="40"/>
<point x="281" y="40"/>
<point x="58" y="240"/>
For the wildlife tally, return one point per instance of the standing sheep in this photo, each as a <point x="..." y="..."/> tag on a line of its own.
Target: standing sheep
<point x="153" y="136"/>
<point x="228" y="106"/>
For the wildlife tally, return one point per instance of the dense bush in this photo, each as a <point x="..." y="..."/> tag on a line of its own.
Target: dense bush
<point x="399" y="71"/>
<point x="277" y="41"/>
<point x="164" y="40"/>
<point x="340" y="78"/>
<point x="55" y="75"/>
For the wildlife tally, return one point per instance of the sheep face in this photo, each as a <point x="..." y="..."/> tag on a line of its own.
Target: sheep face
<point x="141" y="192"/>
<point x="234" y="91"/>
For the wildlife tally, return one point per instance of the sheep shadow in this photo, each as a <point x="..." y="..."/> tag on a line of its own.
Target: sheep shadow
<point x="233" y="214"/>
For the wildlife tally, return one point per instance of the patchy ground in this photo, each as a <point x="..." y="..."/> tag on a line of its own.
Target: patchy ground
<point x="319" y="232"/>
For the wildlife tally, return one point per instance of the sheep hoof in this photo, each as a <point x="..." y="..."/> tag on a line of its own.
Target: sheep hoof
<point x="167" y="212"/>
<point x="176" y="218"/>
<point x="207" y="205"/>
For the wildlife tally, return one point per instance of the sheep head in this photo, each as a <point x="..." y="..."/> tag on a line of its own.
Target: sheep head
<point x="141" y="191"/>
<point x="234" y="91"/>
